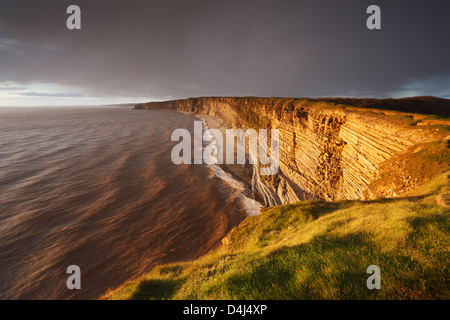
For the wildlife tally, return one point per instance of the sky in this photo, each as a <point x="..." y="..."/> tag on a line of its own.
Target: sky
<point x="135" y="51"/>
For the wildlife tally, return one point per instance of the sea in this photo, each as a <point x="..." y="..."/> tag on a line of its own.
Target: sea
<point x="95" y="187"/>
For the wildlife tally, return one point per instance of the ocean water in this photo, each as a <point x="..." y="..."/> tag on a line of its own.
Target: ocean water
<point x="96" y="187"/>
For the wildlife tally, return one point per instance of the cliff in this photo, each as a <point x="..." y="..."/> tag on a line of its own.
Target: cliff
<point x="333" y="149"/>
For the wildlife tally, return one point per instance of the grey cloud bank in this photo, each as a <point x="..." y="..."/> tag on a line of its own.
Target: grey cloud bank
<point x="177" y="49"/>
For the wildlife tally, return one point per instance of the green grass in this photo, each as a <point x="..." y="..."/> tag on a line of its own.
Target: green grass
<point x="319" y="250"/>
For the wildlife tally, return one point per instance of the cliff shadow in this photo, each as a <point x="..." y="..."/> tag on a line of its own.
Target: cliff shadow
<point x="156" y="289"/>
<point x="335" y="267"/>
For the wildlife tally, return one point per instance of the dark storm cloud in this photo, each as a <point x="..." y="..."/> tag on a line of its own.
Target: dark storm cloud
<point x="253" y="47"/>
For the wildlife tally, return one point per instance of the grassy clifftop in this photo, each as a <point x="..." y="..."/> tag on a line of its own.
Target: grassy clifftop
<point x="320" y="250"/>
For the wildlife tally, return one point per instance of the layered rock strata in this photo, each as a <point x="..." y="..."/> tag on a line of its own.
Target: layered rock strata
<point x="327" y="150"/>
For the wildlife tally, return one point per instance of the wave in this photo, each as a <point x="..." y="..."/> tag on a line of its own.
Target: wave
<point x="250" y="206"/>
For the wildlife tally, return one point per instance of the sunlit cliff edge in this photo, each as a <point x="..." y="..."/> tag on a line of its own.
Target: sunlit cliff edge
<point x="336" y="149"/>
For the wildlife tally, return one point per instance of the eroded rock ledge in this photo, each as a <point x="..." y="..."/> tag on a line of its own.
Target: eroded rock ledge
<point x="328" y="150"/>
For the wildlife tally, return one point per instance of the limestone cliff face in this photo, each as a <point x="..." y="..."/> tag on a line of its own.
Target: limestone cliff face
<point x="327" y="150"/>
